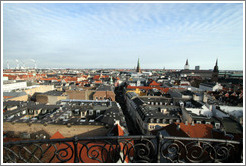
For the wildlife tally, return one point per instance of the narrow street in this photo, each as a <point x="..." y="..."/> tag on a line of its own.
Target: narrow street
<point x="129" y="121"/>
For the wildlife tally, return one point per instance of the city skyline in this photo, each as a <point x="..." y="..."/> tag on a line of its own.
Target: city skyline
<point x="114" y="35"/>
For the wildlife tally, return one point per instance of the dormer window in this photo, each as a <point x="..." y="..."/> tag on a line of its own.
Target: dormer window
<point x="217" y="125"/>
<point x="43" y="111"/>
<point x="98" y="112"/>
<point x="76" y="112"/>
<point x="90" y="112"/>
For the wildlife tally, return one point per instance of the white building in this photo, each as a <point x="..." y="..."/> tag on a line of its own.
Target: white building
<point x="210" y="86"/>
<point x="8" y="86"/>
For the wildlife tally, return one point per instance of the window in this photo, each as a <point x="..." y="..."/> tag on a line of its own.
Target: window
<point x="198" y="122"/>
<point x="90" y="112"/>
<point x="207" y="122"/>
<point x="76" y="112"/>
<point x="98" y="112"/>
<point x="151" y="126"/>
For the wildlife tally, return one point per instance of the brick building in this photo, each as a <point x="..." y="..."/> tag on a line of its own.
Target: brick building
<point x="104" y="92"/>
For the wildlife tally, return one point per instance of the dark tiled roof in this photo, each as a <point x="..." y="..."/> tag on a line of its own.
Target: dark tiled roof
<point x="54" y="93"/>
<point x="231" y="126"/>
<point x="138" y="101"/>
<point x="209" y="84"/>
<point x="196" y="71"/>
<point x="187" y="92"/>
<point x="131" y="94"/>
<point x="105" y="88"/>
<point x="14" y="94"/>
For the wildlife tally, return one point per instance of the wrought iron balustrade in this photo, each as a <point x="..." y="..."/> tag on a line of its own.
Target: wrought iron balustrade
<point x="111" y="149"/>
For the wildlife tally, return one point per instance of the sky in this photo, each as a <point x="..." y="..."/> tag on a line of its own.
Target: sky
<point x="115" y="35"/>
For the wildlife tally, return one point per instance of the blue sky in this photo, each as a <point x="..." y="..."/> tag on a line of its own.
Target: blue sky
<point x="115" y="35"/>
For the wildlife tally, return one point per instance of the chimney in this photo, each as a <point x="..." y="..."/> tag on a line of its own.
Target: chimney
<point x="192" y="123"/>
<point x="178" y="127"/>
<point x="186" y="122"/>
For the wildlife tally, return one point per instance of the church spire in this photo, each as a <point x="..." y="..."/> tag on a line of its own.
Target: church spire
<point x="186" y="66"/>
<point x="215" y="72"/>
<point x="216" y="68"/>
<point x="138" y="67"/>
<point x="186" y="62"/>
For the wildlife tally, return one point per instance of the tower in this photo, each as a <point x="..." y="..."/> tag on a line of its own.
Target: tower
<point x="111" y="81"/>
<point x="215" y="72"/>
<point x="186" y="66"/>
<point x="138" y="67"/>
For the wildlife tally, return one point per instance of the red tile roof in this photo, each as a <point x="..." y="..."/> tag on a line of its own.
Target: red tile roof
<point x="7" y="97"/>
<point x="198" y="130"/>
<point x="50" y="79"/>
<point x="165" y="90"/>
<point x="194" y="131"/>
<point x="98" y="82"/>
<point x="57" y="135"/>
<point x="105" y="76"/>
<point x="96" y="77"/>
<point x="153" y="83"/>
<point x="71" y="79"/>
<point x="12" y="77"/>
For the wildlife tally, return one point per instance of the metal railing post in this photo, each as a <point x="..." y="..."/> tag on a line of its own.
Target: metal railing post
<point x="240" y="156"/>
<point x="158" y="139"/>
<point x="75" y="143"/>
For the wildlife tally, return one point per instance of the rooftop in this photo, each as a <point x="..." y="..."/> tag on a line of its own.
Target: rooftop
<point x="105" y="88"/>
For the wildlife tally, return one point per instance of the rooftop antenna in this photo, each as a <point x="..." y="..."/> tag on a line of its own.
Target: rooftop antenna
<point x="23" y="64"/>
<point x="18" y="66"/>
<point x="7" y="64"/>
<point x="35" y="64"/>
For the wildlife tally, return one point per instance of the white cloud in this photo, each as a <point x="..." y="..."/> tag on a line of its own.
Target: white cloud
<point x="123" y="30"/>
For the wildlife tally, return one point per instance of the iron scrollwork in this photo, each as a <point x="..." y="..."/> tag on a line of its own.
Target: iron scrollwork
<point x="133" y="149"/>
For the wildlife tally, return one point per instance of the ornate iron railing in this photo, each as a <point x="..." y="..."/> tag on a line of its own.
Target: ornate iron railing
<point x="132" y="149"/>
